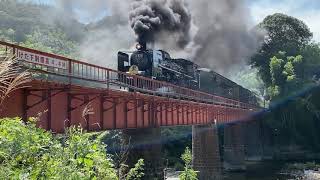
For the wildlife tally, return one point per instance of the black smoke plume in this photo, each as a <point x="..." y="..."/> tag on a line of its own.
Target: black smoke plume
<point x="155" y="19"/>
<point x="224" y="38"/>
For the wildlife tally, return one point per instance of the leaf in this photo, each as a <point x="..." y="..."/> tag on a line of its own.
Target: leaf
<point x="88" y="162"/>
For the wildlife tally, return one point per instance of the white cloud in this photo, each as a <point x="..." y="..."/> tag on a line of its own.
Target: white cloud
<point x="305" y="10"/>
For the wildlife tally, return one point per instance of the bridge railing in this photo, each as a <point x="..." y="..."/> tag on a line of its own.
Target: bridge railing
<point x="62" y="66"/>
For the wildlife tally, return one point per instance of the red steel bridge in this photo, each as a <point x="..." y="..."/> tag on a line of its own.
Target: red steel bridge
<point x="61" y="88"/>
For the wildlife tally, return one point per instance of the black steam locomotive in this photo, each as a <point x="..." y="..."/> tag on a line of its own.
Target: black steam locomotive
<point x="158" y="64"/>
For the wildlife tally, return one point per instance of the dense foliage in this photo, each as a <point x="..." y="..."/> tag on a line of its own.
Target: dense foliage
<point x="285" y="77"/>
<point x="52" y="41"/>
<point x="28" y="152"/>
<point x="25" y="23"/>
<point x="288" y="63"/>
<point x="175" y="140"/>
<point x="137" y="171"/>
<point x="284" y="33"/>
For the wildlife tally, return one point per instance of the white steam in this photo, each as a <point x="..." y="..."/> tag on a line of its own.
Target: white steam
<point x="108" y="35"/>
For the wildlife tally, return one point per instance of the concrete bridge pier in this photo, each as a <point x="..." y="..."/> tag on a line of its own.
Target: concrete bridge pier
<point x="234" y="154"/>
<point x="146" y="144"/>
<point x="205" y="151"/>
<point x="253" y="141"/>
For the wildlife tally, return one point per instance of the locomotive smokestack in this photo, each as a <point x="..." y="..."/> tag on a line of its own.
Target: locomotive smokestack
<point x="142" y="46"/>
<point x="151" y="44"/>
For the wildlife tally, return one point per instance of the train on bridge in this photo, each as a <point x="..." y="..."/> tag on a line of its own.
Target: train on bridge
<point x="180" y="93"/>
<point x="158" y="65"/>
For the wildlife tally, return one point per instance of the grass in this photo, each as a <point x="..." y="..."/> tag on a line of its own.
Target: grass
<point x="12" y="77"/>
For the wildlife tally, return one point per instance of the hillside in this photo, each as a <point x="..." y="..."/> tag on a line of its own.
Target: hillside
<point x="38" y="26"/>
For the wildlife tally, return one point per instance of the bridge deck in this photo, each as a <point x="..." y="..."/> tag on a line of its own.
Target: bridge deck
<point x="63" y="87"/>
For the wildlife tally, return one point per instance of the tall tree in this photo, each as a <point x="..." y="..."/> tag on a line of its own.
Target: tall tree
<point x="288" y="63"/>
<point x="283" y="33"/>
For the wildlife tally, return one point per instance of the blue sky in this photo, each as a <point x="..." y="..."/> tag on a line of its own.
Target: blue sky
<point x="82" y="15"/>
<point x="41" y="1"/>
<point x="306" y="10"/>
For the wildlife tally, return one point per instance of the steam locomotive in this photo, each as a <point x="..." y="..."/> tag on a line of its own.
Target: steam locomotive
<point x="158" y="65"/>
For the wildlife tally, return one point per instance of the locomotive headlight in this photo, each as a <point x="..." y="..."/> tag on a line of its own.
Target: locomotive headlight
<point x="139" y="46"/>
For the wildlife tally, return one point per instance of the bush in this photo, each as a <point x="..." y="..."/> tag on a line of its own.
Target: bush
<point x="188" y="173"/>
<point x="28" y="152"/>
<point x="136" y="173"/>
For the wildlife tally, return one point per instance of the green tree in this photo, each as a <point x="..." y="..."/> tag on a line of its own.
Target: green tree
<point x="296" y="122"/>
<point x="283" y="33"/>
<point x="311" y="65"/>
<point x="188" y="173"/>
<point x="288" y="75"/>
<point x="288" y="63"/>
<point x="136" y="173"/>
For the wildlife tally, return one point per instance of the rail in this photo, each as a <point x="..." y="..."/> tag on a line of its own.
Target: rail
<point x="74" y="69"/>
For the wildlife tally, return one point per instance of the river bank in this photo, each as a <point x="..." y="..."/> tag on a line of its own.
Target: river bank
<point x="270" y="170"/>
<point x="311" y="175"/>
<point x="303" y="171"/>
<point x="277" y="170"/>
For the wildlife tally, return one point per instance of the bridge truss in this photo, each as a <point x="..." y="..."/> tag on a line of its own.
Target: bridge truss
<point x="66" y="92"/>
